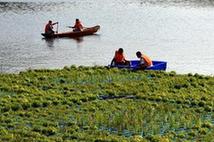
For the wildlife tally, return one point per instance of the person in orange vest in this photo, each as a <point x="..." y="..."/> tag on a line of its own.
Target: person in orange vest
<point x="145" y="61"/>
<point x="49" y="27"/>
<point x="119" y="58"/>
<point x="77" y="26"/>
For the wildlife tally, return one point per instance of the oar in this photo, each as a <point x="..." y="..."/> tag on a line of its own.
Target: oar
<point x="70" y="27"/>
<point x="57" y="27"/>
<point x="73" y="27"/>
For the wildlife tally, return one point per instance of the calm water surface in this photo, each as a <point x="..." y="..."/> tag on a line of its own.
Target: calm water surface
<point x="176" y="31"/>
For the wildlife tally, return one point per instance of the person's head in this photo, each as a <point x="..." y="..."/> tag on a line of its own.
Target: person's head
<point x="138" y="54"/>
<point x="120" y="50"/>
<point x="77" y="20"/>
<point x="50" y="22"/>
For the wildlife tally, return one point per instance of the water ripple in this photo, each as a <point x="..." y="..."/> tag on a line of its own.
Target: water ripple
<point x="191" y="3"/>
<point x="24" y="7"/>
<point x="20" y="7"/>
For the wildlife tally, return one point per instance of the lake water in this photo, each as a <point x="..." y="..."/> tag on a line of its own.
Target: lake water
<point x="180" y="32"/>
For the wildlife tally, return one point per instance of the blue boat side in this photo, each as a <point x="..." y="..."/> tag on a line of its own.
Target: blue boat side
<point x="134" y="65"/>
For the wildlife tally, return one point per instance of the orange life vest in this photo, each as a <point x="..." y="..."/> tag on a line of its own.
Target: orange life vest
<point x="78" y="26"/>
<point x="119" y="57"/>
<point x="48" y="28"/>
<point x="147" y="60"/>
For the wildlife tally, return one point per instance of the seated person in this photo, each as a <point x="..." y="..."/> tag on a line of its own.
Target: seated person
<point x="145" y="61"/>
<point x="119" y="58"/>
<point x="77" y="26"/>
<point x="49" y="27"/>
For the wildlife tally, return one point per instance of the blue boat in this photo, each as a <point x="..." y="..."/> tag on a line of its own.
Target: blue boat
<point x="135" y="65"/>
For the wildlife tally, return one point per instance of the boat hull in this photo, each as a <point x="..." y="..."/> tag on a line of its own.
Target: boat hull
<point x="135" y="65"/>
<point x="86" y="31"/>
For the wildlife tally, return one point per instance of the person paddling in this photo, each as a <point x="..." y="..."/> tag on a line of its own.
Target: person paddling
<point x="77" y="26"/>
<point x="49" y="27"/>
<point x="145" y="61"/>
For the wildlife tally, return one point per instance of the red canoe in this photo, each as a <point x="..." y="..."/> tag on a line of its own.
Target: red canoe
<point x="86" y="31"/>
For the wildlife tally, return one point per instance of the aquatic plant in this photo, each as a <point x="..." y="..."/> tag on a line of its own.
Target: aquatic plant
<point x="101" y="104"/>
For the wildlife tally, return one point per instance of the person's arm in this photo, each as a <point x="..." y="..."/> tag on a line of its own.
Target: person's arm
<point x="75" y="26"/>
<point x="81" y="26"/>
<point x="124" y="59"/>
<point x="55" y="23"/>
<point x="142" y="64"/>
<point x="71" y="27"/>
<point x="113" y="62"/>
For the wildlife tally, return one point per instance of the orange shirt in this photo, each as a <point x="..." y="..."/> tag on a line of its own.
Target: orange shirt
<point x="119" y="57"/>
<point x="146" y="60"/>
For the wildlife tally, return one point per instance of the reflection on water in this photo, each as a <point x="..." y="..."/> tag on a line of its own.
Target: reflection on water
<point x="49" y="42"/>
<point x="78" y="39"/>
<point x="81" y="39"/>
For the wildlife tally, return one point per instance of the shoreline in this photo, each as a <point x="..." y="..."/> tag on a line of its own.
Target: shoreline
<point x="32" y="69"/>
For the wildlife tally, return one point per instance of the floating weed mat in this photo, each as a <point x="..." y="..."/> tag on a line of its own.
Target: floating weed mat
<point x="136" y="117"/>
<point x="100" y="104"/>
<point x="5" y="93"/>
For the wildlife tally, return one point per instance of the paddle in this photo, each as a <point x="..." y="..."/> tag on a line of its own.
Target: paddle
<point x="70" y="27"/>
<point x="57" y="27"/>
<point x="73" y="27"/>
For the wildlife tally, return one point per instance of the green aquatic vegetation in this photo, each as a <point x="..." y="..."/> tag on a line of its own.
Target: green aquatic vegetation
<point x="123" y="121"/>
<point x="101" y="104"/>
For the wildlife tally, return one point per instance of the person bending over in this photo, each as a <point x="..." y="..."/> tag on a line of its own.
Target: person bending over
<point x="119" y="58"/>
<point x="145" y="61"/>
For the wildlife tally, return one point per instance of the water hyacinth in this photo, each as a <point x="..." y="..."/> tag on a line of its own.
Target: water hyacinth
<point x="101" y="104"/>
